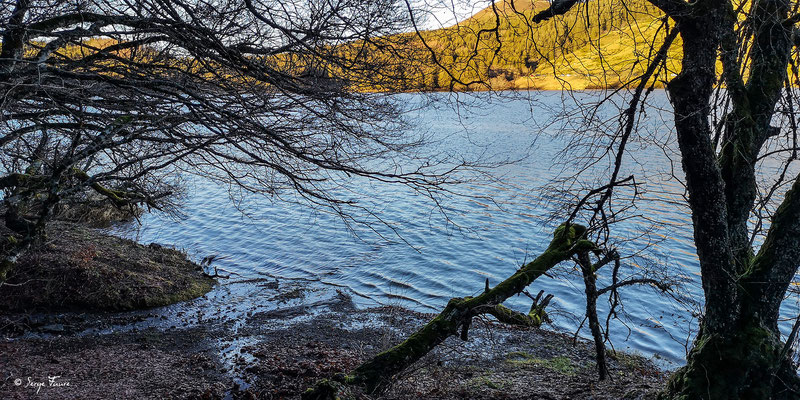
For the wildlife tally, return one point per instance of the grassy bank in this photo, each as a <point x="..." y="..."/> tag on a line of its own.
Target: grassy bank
<point x="78" y="268"/>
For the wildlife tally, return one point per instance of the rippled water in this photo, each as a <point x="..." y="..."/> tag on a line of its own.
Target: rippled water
<point x="439" y="261"/>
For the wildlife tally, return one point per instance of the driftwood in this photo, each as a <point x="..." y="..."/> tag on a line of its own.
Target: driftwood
<point x="373" y="375"/>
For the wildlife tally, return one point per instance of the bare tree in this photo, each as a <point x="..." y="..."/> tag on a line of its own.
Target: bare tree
<point x="739" y="352"/>
<point x="736" y="132"/>
<point x="123" y="98"/>
<point x="117" y="97"/>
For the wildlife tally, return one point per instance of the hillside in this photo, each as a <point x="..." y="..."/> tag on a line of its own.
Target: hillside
<point x="595" y="45"/>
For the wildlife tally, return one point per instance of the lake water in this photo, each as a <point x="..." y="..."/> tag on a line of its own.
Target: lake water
<point x="257" y="237"/>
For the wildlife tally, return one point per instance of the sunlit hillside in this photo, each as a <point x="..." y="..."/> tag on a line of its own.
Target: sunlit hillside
<point x="596" y="44"/>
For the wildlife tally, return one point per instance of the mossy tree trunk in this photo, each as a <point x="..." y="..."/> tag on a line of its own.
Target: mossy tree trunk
<point x="738" y="353"/>
<point x="747" y="363"/>
<point x="744" y="357"/>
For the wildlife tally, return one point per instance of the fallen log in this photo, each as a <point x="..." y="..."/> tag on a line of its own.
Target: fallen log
<point x="534" y="318"/>
<point x="373" y="375"/>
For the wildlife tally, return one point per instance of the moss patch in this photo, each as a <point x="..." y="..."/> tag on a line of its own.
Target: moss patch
<point x="560" y="364"/>
<point x="81" y="268"/>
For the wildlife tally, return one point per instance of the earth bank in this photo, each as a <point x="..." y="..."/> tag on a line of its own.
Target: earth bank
<point x="78" y="268"/>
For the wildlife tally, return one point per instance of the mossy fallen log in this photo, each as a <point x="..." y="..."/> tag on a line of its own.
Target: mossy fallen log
<point x="373" y="375"/>
<point x="534" y="318"/>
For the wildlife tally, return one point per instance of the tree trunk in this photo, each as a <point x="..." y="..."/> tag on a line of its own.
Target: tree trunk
<point x="748" y="363"/>
<point x="738" y="353"/>
<point x="590" y="282"/>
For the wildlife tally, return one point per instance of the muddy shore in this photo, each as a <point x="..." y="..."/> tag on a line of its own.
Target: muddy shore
<point x="269" y="339"/>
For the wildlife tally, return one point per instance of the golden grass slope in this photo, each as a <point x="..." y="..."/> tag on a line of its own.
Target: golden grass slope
<point x="597" y="44"/>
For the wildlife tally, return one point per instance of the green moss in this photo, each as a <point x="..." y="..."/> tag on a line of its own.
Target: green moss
<point x="632" y="361"/>
<point x="195" y="289"/>
<point x="560" y="364"/>
<point x="5" y="267"/>
<point x="738" y="366"/>
<point x="509" y="316"/>
<point x="325" y="389"/>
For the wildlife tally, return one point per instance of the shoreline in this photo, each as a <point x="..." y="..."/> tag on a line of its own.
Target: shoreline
<point x="223" y="346"/>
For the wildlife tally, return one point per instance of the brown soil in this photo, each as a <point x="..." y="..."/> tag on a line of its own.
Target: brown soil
<point x="498" y="362"/>
<point x="151" y="365"/>
<point x="278" y="352"/>
<point x="81" y="268"/>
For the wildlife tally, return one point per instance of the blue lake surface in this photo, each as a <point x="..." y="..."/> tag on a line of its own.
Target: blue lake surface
<point x="503" y="222"/>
